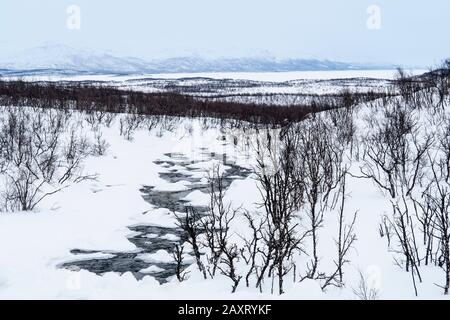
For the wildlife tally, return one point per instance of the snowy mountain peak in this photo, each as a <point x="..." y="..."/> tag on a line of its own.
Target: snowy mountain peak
<point x="61" y="58"/>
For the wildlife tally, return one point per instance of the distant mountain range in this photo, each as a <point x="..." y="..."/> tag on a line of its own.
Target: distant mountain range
<point x="59" y="59"/>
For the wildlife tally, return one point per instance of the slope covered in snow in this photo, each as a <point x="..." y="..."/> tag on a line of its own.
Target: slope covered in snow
<point x="48" y="253"/>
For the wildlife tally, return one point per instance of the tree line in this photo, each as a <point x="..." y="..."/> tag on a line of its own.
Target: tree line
<point x="88" y="98"/>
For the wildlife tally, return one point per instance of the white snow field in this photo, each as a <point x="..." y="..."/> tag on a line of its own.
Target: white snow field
<point x="228" y="84"/>
<point x="94" y="217"/>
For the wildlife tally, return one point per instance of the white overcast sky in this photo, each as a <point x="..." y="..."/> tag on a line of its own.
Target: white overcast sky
<point x="413" y="32"/>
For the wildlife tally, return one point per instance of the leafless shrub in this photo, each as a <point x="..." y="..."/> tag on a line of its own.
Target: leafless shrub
<point x="281" y="197"/>
<point x="100" y="145"/>
<point x="344" y="242"/>
<point x="395" y="159"/>
<point x="319" y="172"/>
<point x="129" y="123"/>
<point x="216" y="224"/>
<point x="191" y="225"/>
<point x="250" y="250"/>
<point x="179" y="260"/>
<point x="438" y="202"/>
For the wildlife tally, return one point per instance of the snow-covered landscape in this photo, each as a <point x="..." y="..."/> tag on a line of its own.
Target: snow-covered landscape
<point x="112" y="229"/>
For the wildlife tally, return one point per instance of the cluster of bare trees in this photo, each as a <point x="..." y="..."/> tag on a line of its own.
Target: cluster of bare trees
<point x="209" y="234"/>
<point x="41" y="152"/>
<point x="42" y="149"/>
<point x="281" y="199"/>
<point x="302" y="170"/>
<point x="300" y="174"/>
<point x="406" y="154"/>
<point x="395" y="159"/>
